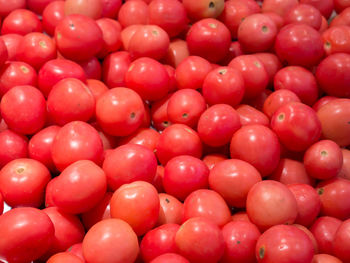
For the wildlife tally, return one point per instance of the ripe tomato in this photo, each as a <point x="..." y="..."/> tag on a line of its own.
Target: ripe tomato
<point x="341" y="245"/>
<point x="171" y="210"/>
<point x="250" y="115"/>
<point x="11" y="42"/>
<point x="110" y="241"/>
<point x="133" y="13"/>
<point x="177" y="52"/>
<point x="64" y="257"/>
<point x="92" y="9"/>
<point x="92" y="68"/>
<point x="114" y="67"/>
<point x="277" y="99"/>
<point x="279" y="7"/>
<point x="212" y="159"/>
<point x="197" y="10"/>
<point x="146" y="137"/>
<point x="8" y="6"/>
<point x="170" y="258"/>
<point x="21" y="21"/>
<point x="111" y="30"/>
<point x="304" y="14"/>
<point x="13" y="146"/>
<point x="52" y="15"/>
<point x="345" y="170"/>
<point x="336" y="39"/>
<point x="137" y="204"/>
<point x="325" y="6"/>
<point x="325" y="258"/>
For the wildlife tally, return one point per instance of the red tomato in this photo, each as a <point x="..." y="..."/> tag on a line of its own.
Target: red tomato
<point x="341" y="245"/>
<point x="23" y="182"/>
<point x="184" y="174"/>
<point x="129" y="163"/>
<point x="270" y="203"/>
<point x="277" y="99"/>
<point x="159" y="241"/>
<point x="178" y="139"/>
<point x="21" y="21"/>
<point x="27" y="234"/>
<point x="92" y="9"/>
<point x="98" y="213"/>
<point x="3" y="52"/>
<point x="323" y="160"/>
<point x="334" y="194"/>
<point x="299" y="80"/>
<point x="324" y="229"/>
<point x="325" y="6"/>
<point x="78" y="37"/>
<point x="210" y="39"/>
<point x="24" y="109"/>
<point x="198" y="10"/>
<point x="146" y="137"/>
<point x="170" y="211"/>
<point x="322" y="101"/>
<point x="249" y="115"/>
<point x="77" y="250"/>
<point x="254" y="74"/>
<point x="177" y="52"/>
<point x="299" y="44"/>
<point x="325" y="258"/>
<point x="111" y="30"/>
<point x="284" y="244"/>
<point x="223" y="85"/>
<point x="11" y="42"/>
<point x="264" y="30"/>
<point x="137" y="204"/>
<point x="76" y="141"/>
<point x="308" y="202"/>
<point x="52" y="15"/>
<point x="240" y="241"/>
<point x="92" y="68"/>
<point x="7" y="7"/>
<point x="345" y="170"/>
<point x="158" y="180"/>
<point x="310" y="235"/>
<point x="279" y="7"/>
<point x="133" y="13"/>
<point x="257" y="145"/>
<point x="213" y="159"/>
<point x="1" y="204"/>
<point x="170" y="258"/>
<point x="304" y="14"/>
<point x="120" y="111"/>
<point x="296" y="125"/>
<point x="271" y="63"/>
<point x="13" y="146"/>
<point x="68" y="230"/>
<point x="340" y="5"/>
<point x="191" y="72"/>
<point x="114" y="67"/>
<point x="206" y="235"/>
<point x="110" y="241"/>
<point x="159" y="113"/>
<point x="208" y="204"/>
<point x="336" y="39"/>
<point x="64" y="257"/>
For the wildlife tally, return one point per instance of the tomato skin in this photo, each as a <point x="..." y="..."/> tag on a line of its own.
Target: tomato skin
<point x="277" y="99"/>
<point x="23" y="182"/>
<point x="137" y="204"/>
<point x="159" y="241"/>
<point x="120" y="111"/>
<point x="342" y="241"/>
<point x="261" y="147"/>
<point x="13" y="146"/>
<point x="334" y="84"/>
<point x="77" y="250"/>
<point x="285" y="244"/>
<point x="64" y="257"/>
<point x="92" y="68"/>
<point x="270" y="203"/>
<point x="1" y="204"/>
<point x="52" y="15"/>
<point x="146" y="137"/>
<point x="114" y="67"/>
<point x="325" y="258"/>
<point x="171" y="210"/>
<point x="78" y="37"/>
<point x="177" y="52"/>
<point x="184" y="174"/>
<point x="133" y="13"/>
<point x="334" y="120"/>
<point x="279" y="7"/>
<point x="345" y="170"/>
<point x="11" y="42"/>
<point x="304" y="14"/>
<point x="240" y="241"/>
<point x="170" y="258"/>
<point x="113" y="240"/>
<point x="213" y="159"/>
<point x="336" y="39"/>
<point x="250" y="115"/>
<point x="129" y="163"/>
<point x="21" y="21"/>
<point x="210" y="39"/>
<point x="325" y="6"/>
<point x="324" y="229"/>
<point x="8" y="6"/>
<point x="206" y="235"/>
<point x="178" y="139"/>
<point x="203" y="9"/>
<point x="111" y="30"/>
<point x="92" y="9"/>
<point x="76" y="141"/>
<point x="28" y="234"/>
<point x="288" y="122"/>
<point x="300" y="45"/>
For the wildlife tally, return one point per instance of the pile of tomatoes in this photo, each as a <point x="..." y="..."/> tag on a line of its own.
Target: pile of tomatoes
<point x="171" y="131"/>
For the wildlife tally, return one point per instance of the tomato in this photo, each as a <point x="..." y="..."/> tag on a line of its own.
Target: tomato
<point x="197" y="10"/>
<point x="110" y="241"/>
<point x="279" y="7"/>
<point x="296" y="125"/>
<point x="133" y="13"/>
<point x="98" y="213"/>
<point x="23" y="182"/>
<point x="111" y="31"/>
<point x="304" y="14"/>
<point x="159" y="113"/>
<point x="322" y="101"/>
<point x="299" y="80"/>
<point x="341" y="241"/>
<point x="271" y="63"/>
<point x="254" y="74"/>
<point x="264" y="30"/>
<point x="3" y="52"/>
<point x="68" y="230"/>
<point x="300" y="45"/>
<point x="1" y="204"/>
<point x="334" y="117"/>
<point x="257" y="145"/>
<point x="92" y="68"/>
<point x="241" y="216"/>
<point x="334" y="84"/>
<point x="114" y="67"/>
<point x="240" y="241"/>
<point x="76" y="141"/>
<point x="333" y="194"/>
<point x="310" y="235"/>
<point x="92" y="9"/>
<point x="21" y="21"/>
<point x="16" y="73"/>
<point x="64" y="257"/>
<point x="8" y="6"/>
<point x="13" y="146"/>
<point x="213" y="159"/>
<point x="148" y="78"/>
<point x="170" y="258"/>
<point x="137" y="204"/>
<point x="336" y="39"/>
<point x="323" y="160"/>
<point x="235" y="11"/>
<point x="223" y="85"/>
<point x="341" y="19"/>
<point x="250" y="115"/>
<point x="27" y="234"/>
<point x="171" y="210"/>
<point x="340" y="5"/>
<point x="177" y="52"/>
<point x="78" y="37"/>
<point x="11" y="42"/>
<point x="184" y="174"/>
<point x="147" y="137"/>
<point x="284" y="244"/>
<point x="345" y="170"/>
<point x="270" y="203"/>
<point x="235" y="50"/>
<point x="325" y="6"/>
<point x="120" y="111"/>
<point x="129" y="163"/>
<point x="178" y="139"/>
<point x="52" y="15"/>
<point x="158" y="182"/>
<point x="77" y="250"/>
<point x="324" y="229"/>
<point x="159" y="241"/>
<point x="277" y="99"/>
<point x="325" y="258"/>
<point x="290" y="171"/>
<point x="185" y="106"/>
